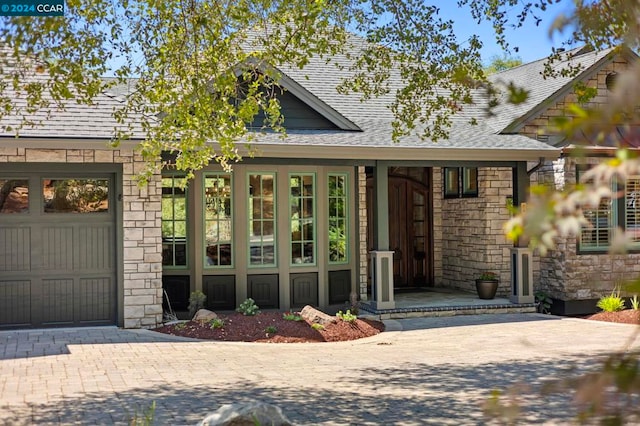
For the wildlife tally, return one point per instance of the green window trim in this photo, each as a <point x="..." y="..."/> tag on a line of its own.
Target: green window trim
<point x="218" y="220"/>
<point x="302" y="222"/>
<point x="174" y="222"/>
<point x="338" y="218"/>
<point x="262" y="223"/>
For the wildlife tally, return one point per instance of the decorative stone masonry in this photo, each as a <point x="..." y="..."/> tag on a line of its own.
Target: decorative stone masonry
<point x="362" y="234"/>
<point x="142" y="298"/>
<point x="472" y="233"/>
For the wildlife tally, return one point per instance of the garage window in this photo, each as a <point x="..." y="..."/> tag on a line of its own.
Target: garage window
<point x="14" y="196"/>
<point x="75" y="195"/>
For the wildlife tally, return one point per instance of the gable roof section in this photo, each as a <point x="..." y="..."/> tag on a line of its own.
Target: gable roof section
<point x="544" y="92"/>
<point x="316" y="104"/>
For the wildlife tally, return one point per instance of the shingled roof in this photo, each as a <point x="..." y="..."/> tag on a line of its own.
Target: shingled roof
<point x="363" y="124"/>
<point x="509" y="118"/>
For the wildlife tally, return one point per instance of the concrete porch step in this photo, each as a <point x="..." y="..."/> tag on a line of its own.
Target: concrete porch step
<point x="366" y="310"/>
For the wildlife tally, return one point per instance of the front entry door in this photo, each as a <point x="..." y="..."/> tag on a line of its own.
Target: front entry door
<point x="409" y="225"/>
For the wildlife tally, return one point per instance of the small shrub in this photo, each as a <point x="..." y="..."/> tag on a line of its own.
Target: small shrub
<point x="543" y="302"/>
<point x="347" y="316"/>
<point x="635" y="302"/>
<point x="180" y="326"/>
<point x="611" y="303"/>
<point x="196" y="301"/>
<point x="271" y="330"/>
<point x="317" y="326"/>
<point x="488" y="276"/>
<point x="248" y="308"/>
<point x="291" y="316"/>
<point x="216" y="323"/>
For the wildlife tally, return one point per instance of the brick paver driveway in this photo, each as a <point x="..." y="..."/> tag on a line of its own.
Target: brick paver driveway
<point x="434" y="371"/>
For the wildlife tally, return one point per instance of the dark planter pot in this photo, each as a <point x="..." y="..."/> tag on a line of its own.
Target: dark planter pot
<point x="486" y="288"/>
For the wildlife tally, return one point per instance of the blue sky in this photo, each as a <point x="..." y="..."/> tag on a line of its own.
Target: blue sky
<point x="534" y="41"/>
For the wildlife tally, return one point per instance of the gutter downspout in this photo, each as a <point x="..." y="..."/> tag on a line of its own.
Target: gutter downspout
<point x="536" y="167"/>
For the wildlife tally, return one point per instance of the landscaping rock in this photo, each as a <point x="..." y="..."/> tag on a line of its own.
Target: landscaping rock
<point x="205" y="315"/>
<point x="255" y="413"/>
<point x="311" y="314"/>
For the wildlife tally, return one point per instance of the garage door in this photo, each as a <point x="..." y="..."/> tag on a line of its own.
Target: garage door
<point x="57" y="250"/>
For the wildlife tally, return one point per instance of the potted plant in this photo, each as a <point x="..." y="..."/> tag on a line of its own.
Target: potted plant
<point x="487" y="285"/>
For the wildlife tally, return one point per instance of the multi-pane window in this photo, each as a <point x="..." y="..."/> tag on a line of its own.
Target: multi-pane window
<point x="217" y="220"/>
<point x="302" y="213"/>
<point x="262" y="224"/>
<point x="174" y="221"/>
<point x="338" y="219"/>
<point x="14" y="196"/>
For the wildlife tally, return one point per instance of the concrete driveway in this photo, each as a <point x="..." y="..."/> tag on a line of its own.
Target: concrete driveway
<point x="432" y="371"/>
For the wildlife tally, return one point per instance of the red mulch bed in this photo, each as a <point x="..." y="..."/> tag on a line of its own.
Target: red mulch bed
<point x="240" y="328"/>
<point x="628" y="316"/>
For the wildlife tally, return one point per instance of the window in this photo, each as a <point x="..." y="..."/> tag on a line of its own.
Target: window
<point x="14" y="196"/>
<point x="302" y="222"/>
<point x="632" y="207"/>
<point x="338" y="219"/>
<point x="623" y="212"/>
<point x="217" y="220"/>
<point x="460" y="182"/>
<point x="75" y="195"/>
<point x="469" y="181"/>
<point x="262" y="224"/>
<point x="174" y="221"/>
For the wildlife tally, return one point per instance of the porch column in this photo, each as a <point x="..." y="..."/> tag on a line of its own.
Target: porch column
<point x="381" y="257"/>
<point x="521" y="256"/>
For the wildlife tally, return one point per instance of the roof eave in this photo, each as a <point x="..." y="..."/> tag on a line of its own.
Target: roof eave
<point x="401" y="153"/>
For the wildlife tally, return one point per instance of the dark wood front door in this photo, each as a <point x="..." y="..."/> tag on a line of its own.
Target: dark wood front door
<point x="409" y="225"/>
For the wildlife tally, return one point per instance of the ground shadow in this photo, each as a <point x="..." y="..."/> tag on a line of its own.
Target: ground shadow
<point x="412" y="393"/>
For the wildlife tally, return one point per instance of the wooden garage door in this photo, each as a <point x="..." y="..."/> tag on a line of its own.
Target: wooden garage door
<point x="57" y="250"/>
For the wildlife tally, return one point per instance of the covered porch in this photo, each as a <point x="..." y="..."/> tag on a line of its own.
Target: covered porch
<point x="425" y="247"/>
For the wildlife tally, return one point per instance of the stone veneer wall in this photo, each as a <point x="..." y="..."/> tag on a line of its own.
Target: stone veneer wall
<point x="565" y="274"/>
<point x="472" y="233"/>
<point x="362" y="234"/>
<point x="568" y="275"/>
<point x="141" y="222"/>
<point x="437" y="228"/>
